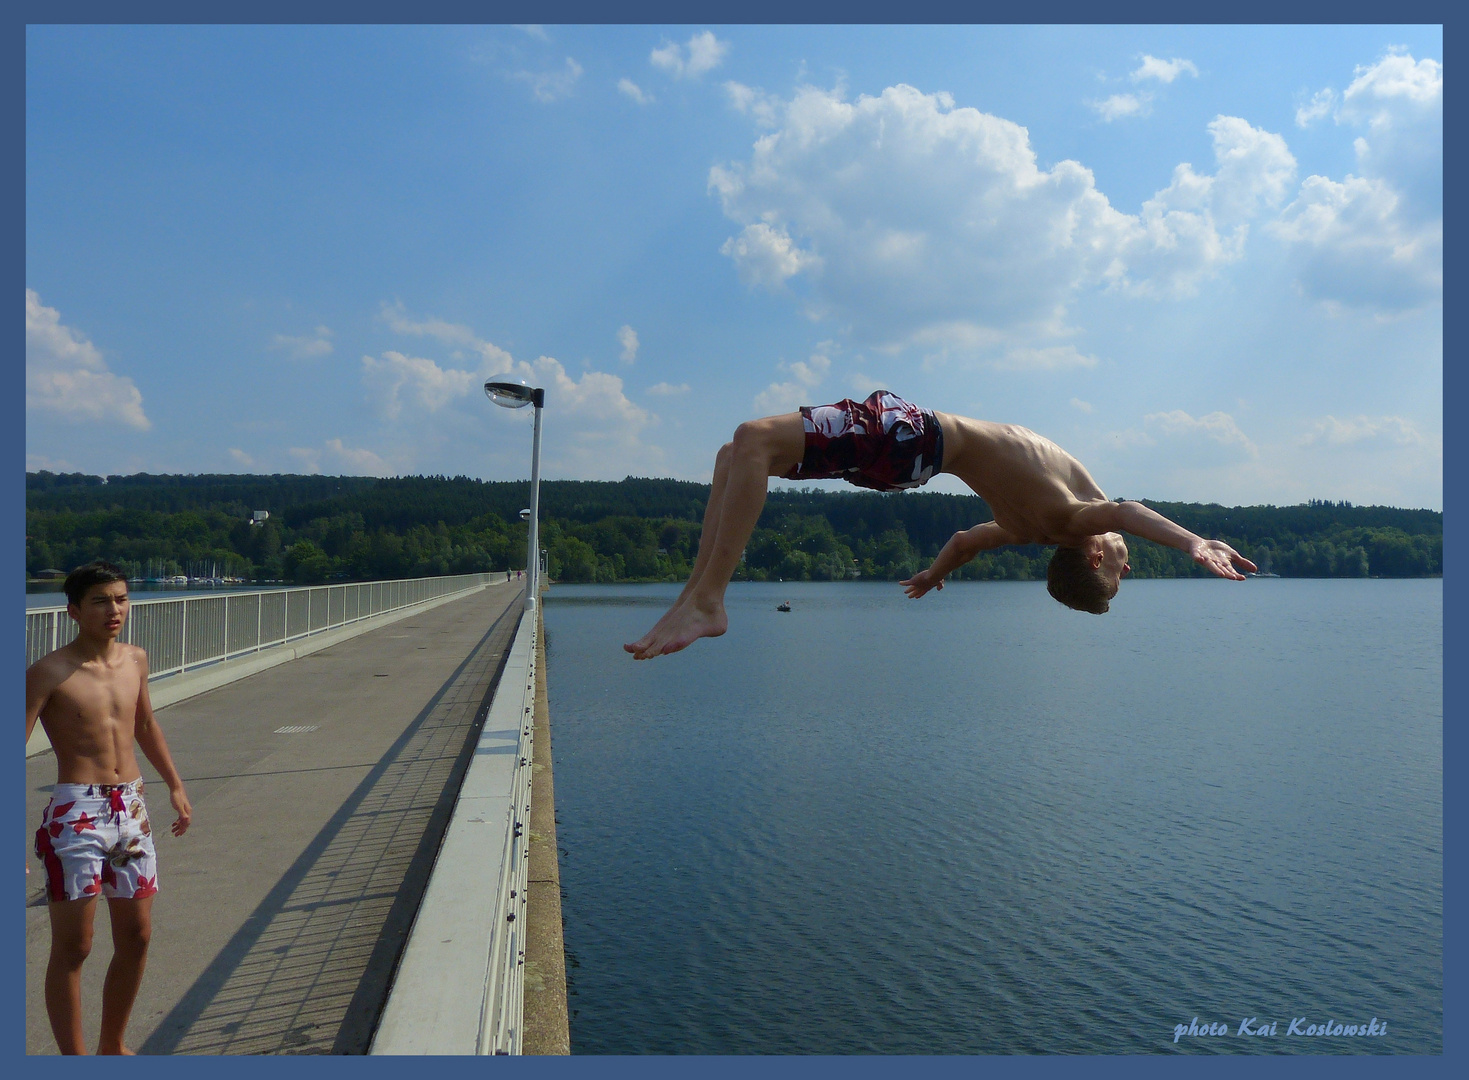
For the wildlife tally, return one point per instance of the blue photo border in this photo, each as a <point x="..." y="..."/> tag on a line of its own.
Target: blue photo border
<point x="12" y="504"/>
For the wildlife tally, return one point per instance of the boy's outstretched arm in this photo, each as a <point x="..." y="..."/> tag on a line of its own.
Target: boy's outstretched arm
<point x="1137" y="519"/>
<point x="962" y="547"/>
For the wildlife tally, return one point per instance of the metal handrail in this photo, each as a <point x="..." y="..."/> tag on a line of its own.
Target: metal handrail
<point x="184" y="633"/>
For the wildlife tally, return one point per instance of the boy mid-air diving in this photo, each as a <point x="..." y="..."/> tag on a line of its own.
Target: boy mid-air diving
<point x="92" y="698"/>
<point x="1038" y="493"/>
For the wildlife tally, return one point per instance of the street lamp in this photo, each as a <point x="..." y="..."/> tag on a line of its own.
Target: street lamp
<point x="517" y="395"/>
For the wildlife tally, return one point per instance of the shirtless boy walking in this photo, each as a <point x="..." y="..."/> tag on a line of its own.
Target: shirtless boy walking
<point x="92" y="698"/>
<point x="1038" y="492"/>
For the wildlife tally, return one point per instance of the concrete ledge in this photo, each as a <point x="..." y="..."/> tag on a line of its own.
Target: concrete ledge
<point x="171" y="689"/>
<point x="547" y="1027"/>
<point x="451" y="993"/>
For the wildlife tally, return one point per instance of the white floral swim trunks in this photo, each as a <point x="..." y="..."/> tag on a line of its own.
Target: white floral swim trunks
<point x="95" y="839"/>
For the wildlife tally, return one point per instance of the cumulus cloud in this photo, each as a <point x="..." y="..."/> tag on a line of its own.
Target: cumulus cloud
<point x="766" y="256"/>
<point x="703" y="52"/>
<point x="1052" y="358"/>
<point x="631" y="89"/>
<point x="927" y="225"/>
<point x="1083" y="406"/>
<point x="627" y="337"/>
<point x="66" y="375"/>
<point x="493" y="358"/>
<point x="553" y="85"/>
<point x="763" y="107"/>
<point x="241" y="458"/>
<point x="593" y="430"/>
<point x="665" y="389"/>
<point x="1364" y="431"/>
<point x="306" y="346"/>
<point x="1374" y="241"/>
<point x="360" y="461"/>
<point x="340" y="458"/>
<point x="1121" y="105"/>
<point x="396" y="378"/>
<point x="536" y="31"/>
<point x="1164" y="71"/>
<point x="784" y="397"/>
<point x="1320" y="106"/>
<point x="1217" y="427"/>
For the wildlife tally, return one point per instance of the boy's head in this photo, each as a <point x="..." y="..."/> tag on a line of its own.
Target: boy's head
<point x="1086" y="578"/>
<point x="97" y="596"/>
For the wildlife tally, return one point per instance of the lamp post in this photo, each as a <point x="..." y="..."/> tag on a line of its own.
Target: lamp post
<point x="517" y="395"/>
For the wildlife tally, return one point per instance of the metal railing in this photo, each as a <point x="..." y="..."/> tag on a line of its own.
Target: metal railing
<point x="188" y="632"/>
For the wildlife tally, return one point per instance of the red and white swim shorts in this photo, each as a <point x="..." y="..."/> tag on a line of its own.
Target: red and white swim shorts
<point x="95" y="839"/>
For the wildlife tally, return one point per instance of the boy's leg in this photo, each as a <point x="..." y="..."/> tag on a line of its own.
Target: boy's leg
<point x="71" y="941"/>
<point x="706" y="543"/>
<point x="761" y="449"/>
<point x="132" y="927"/>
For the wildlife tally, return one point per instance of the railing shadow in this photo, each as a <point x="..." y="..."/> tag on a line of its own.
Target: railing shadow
<point x="309" y="970"/>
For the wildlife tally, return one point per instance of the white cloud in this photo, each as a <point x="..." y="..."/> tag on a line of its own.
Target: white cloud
<point x="664" y="389"/>
<point x="241" y="458"/>
<point x="593" y="430"/>
<point x="1120" y="105"/>
<point x="340" y="458"/>
<point x="1217" y="427"/>
<point x="925" y="225"/>
<point x="1165" y="71"/>
<point x="1355" y="247"/>
<point x="634" y="91"/>
<point x="421" y="381"/>
<point x="1052" y="358"/>
<point x="765" y="108"/>
<point x="1383" y="92"/>
<point x="67" y="376"/>
<point x="309" y="458"/>
<point x="1374" y="241"/>
<point x="535" y="31"/>
<point x="788" y="396"/>
<point x="493" y="359"/>
<point x="552" y="85"/>
<point x="361" y="462"/>
<point x="1364" y="431"/>
<point x="1083" y="406"/>
<point x="306" y="346"/>
<point x="627" y="337"/>
<point x="703" y="52"/>
<point x="766" y="256"/>
<point x="1320" y="105"/>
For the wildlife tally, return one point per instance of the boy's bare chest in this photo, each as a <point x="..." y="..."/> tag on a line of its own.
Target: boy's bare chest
<point x="95" y="699"/>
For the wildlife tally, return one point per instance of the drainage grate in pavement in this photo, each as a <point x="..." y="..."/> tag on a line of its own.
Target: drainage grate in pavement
<point x="295" y="729"/>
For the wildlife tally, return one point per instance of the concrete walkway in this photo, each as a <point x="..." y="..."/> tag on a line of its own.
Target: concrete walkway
<point x="281" y="913"/>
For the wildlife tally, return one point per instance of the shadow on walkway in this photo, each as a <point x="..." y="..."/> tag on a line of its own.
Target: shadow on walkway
<point x="309" y="971"/>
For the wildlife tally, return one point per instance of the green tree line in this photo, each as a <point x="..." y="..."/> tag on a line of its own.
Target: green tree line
<point x="358" y="528"/>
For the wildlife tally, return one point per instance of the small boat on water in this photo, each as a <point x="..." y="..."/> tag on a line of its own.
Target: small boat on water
<point x="783" y="606"/>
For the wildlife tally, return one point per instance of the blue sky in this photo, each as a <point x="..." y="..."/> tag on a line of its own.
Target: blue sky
<point x="1206" y="260"/>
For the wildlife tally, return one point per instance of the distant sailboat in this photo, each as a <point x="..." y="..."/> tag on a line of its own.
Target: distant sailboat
<point x="784" y="605"/>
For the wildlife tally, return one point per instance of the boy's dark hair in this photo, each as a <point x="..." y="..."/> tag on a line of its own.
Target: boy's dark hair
<point x="96" y="572"/>
<point x="1073" y="580"/>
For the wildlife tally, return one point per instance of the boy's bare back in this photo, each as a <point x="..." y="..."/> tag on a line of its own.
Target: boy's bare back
<point x="1032" y="486"/>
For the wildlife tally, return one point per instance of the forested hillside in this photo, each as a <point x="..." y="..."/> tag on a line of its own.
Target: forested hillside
<point x="349" y="528"/>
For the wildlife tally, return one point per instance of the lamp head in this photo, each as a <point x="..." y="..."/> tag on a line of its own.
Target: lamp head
<point x="513" y="393"/>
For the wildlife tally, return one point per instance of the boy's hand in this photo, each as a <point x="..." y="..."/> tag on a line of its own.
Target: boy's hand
<point x="920" y="583"/>
<point x="1219" y="557"/>
<point x="183" y="809"/>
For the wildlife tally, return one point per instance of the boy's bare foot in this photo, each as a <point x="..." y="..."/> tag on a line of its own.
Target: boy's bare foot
<point x="683" y="625"/>
<point x="647" y="639"/>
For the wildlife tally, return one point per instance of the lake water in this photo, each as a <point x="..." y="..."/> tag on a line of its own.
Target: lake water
<point x="982" y="823"/>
